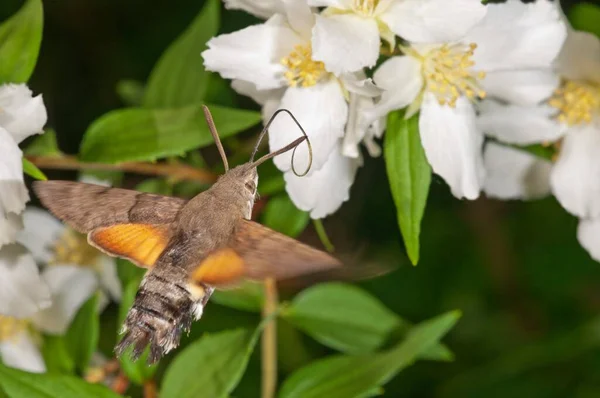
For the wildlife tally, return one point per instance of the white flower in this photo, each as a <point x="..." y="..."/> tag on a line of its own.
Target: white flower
<point x="22" y="291"/>
<point x="346" y="35"/>
<point x="273" y="64"/>
<point x="569" y="118"/>
<point x="445" y="81"/>
<point x="70" y="287"/>
<point x="21" y="115"/>
<point x="57" y="245"/>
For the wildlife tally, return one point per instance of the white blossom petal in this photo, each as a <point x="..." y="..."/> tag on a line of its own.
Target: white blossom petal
<point x="515" y="174"/>
<point x="357" y="130"/>
<point x="588" y="234"/>
<point x="322" y="111"/>
<point x="109" y="279"/>
<point x="13" y="194"/>
<point x="339" y="4"/>
<point x="575" y="178"/>
<point x="324" y="191"/>
<point x="259" y="96"/>
<point x="21" y="352"/>
<point x="261" y="8"/>
<point x="521" y="87"/>
<point x="518" y="35"/>
<point x="345" y="42"/>
<point x="10" y="226"/>
<point x="22" y="290"/>
<point x="579" y="58"/>
<point x="432" y="21"/>
<point x="41" y="231"/>
<point x="21" y="114"/>
<point x="401" y="80"/>
<point x="358" y="83"/>
<point x="71" y="286"/>
<point x="299" y="16"/>
<point x="521" y="125"/>
<point x="453" y="144"/>
<point x="253" y="54"/>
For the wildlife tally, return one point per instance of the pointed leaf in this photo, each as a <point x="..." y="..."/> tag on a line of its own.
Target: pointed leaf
<point x="179" y="77"/>
<point x="409" y="175"/>
<point x="56" y="355"/>
<point x="20" y="39"/>
<point x="249" y="296"/>
<point x="19" y="384"/>
<point x="43" y="145"/>
<point x="83" y="334"/>
<point x="358" y="376"/>
<point x="32" y="171"/>
<point x="211" y="367"/>
<point x="149" y="134"/>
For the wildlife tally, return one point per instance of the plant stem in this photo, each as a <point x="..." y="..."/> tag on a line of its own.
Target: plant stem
<point x="150" y="389"/>
<point x="323" y="235"/>
<point x="269" y="341"/>
<point x="120" y="384"/>
<point x="175" y="171"/>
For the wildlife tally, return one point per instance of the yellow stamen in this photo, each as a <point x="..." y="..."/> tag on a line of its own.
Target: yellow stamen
<point x="577" y="101"/>
<point x="449" y="74"/>
<point x="72" y="248"/>
<point x="10" y="327"/>
<point x="302" y="70"/>
<point x="365" y="7"/>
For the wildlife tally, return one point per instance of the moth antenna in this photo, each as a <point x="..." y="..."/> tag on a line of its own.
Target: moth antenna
<point x="215" y="134"/>
<point x="293" y="145"/>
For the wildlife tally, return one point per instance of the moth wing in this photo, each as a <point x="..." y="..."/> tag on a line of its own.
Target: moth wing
<point x="257" y="252"/>
<point x="120" y="222"/>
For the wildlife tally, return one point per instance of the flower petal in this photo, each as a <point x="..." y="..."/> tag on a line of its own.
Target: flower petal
<point x="324" y="191"/>
<point x="21" y="352"/>
<point x="22" y="290"/>
<point x="70" y="286"/>
<point x="339" y="4"/>
<point x="575" y="178"/>
<point x="433" y="21"/>
<point x="452" y="144"/>
<point x="259" y="96"/>
<point x="261" y="8"/>
<point x="588" y="234"/>
<point x="109" y="278"/>
<point x="579" y="58"/>
<point x="40" y="233"/>
<point x="521" y="125"/>
<point x="518" y="35"/>
<point x="515" y="174"/>
<point x="13" y="193"/>
<point x="21" y="114"/>
<point x="299" y="16"/>
<point x="357" y="130"/>
<point x="10" y="226"/>
<point x="345" y="42"/>
<point x="322" y="111"/>
<point x="253" y="54"/>
<point x="401" y="80"/>
<point x="522" y="87"/>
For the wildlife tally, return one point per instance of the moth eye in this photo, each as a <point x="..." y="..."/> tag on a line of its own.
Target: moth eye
<point x="251" y="186"/>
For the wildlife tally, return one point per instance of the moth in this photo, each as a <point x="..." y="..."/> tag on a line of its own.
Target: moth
<point x="189" y="247"/>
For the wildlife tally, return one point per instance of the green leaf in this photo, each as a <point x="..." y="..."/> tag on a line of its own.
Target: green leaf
<point x="127" y="271"/>
<point x="342" y="317"/>
<point x="155" y="185"/>
<point x="179" y="77"/>
<point x="138" y="371"/>
<point x="249" y="296"/>
<point x="358" y="376"/>
<point x="409" y="175"/>
<point x="147" y="134"/>
<point x="20" y="384"/>
<point x="56" y="355"/>
<point x="20" y="39"/>
<point x="585" y="16"/>
<point x="83" y="334"/>
<point x="32" y="171"/>
<point x="131" y="92"/>
<point x="210" y="367"/>
<point x="282" y="215"/>
<point x="44" y="145"/>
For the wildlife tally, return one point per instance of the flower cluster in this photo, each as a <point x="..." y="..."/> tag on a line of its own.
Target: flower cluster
<point x="444" y="60"/>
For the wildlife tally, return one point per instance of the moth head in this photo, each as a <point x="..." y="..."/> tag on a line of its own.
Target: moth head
<point x="246" y="179"/>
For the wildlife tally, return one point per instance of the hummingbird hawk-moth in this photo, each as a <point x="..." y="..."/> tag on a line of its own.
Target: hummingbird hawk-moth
<point x="189" y="247"/>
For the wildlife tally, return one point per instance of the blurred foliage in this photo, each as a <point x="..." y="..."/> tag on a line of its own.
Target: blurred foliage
<point x="527" y="291"/>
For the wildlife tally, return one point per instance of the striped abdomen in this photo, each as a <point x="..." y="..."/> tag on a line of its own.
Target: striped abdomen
<point x="163" y="309"/>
